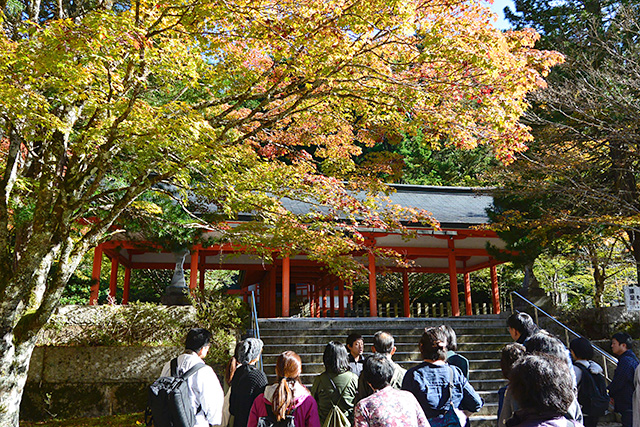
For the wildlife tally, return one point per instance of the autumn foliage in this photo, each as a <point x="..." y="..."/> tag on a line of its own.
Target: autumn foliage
<point x="235" y="104"/>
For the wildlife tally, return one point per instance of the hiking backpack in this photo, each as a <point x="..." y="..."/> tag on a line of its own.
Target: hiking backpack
<point x="592" y="393"/>
<point x="170" y="401"/>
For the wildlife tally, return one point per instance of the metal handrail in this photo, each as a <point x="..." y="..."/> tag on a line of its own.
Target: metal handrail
<point x="254" y="323"/>
<point x="605" y="356"/>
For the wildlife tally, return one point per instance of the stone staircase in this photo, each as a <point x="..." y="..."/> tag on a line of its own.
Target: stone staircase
<point x="480" y="339"/>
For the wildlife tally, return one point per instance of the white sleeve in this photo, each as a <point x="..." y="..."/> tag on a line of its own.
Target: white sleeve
<point x="209" y="394"/>
<point x="166" y="370"/>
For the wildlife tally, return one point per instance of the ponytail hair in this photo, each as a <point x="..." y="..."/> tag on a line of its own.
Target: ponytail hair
<point x="288" y="370"/>
<point x="433" y="344"/>
<point x="230" y="370"/>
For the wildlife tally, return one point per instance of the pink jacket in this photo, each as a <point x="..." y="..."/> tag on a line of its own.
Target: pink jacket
<point x="306" y="408"/>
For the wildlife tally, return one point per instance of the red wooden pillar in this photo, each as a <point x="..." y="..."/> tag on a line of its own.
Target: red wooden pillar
<point x="373" y="299"/>
<point x="193" y="273"/>
<point x="324" y="300"/>
<point x="259" y="295"/>
<point x="271" y="312"/>
<point x="285" y="287"/>
<point x="127" y="285"/>
<point x="332" y="301"/>
<point x="467" y="295"/>
<point x="341" y="298"/>
<point x="203" y="258"/>
<point x="453" y="279"/>
<point x="495" y="292"/>
<point x="95" y="275"/>
<point x="113" y="280"/>
<point x="405" y="294"/>
<point x="312" y="301"/>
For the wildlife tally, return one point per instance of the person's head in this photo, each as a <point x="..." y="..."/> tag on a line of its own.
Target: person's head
<point x="542" y="383"/>
<point x="543" y="342"/>
<point x="383" y="343"/>
<point x="249" y="351"/>
<point x="335" y="358"/>
<point x="521" y="324"/>
<point x="378" y="371"/>
<point x="433" y="344"/>
<point x="355" y="344"/>
<point x="511" y="353"/>
<point x="620" y="342"/>
<point x="288" y="370"/>
<point x="452" y="343"/>
<point x="198" y="340"/>
<point x="581" y="349"/>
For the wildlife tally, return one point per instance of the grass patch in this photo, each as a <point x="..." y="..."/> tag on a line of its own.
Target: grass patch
<point x="107" y="421"/>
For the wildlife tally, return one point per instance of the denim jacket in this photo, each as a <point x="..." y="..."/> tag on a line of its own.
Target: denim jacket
<point x="429" y="383"/>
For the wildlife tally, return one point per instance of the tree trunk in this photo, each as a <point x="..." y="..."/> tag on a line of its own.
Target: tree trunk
<point x="531" y="288"/>
<point x="15" y="367"/>
<point x="598" y="276"/>
<point x="634" y="244"/>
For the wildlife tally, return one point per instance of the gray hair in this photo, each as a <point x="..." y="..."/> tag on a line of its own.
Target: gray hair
<point x="249" y="350"/>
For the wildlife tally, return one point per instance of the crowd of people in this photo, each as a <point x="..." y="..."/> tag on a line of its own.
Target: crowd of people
<point x="548" y="385"/>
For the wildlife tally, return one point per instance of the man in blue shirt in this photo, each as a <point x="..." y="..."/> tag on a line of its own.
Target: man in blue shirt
<point x="621" y="387"/>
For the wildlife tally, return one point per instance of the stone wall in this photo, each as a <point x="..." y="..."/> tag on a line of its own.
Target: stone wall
<point x="67" y="382"/>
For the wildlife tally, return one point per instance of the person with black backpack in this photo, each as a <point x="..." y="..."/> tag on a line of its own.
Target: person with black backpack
<point x="188" y="392"/>
<point x="592" y="388"/>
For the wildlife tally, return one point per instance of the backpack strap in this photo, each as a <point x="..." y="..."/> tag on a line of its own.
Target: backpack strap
<point x="272" y="416"/>
<point x="192" y="370"/>
<point x="336" y="389"/>
<point x="174" y="367"/>
<point x="584" y="371"/>
<point x="450" y="388"/>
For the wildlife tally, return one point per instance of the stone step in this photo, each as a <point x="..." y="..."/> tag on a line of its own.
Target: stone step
<point x="402" y="347"/>
<point x="483" y="421"/>
<point x="480" y="340"/>
<point x="317" y="368"/>
<point x="311" y="338"/>
<point x="484" y="363"/>
<point x="480" y="382"/>
<point x="343" y="332"/>
<point x="399" y="356"/>
<point x="378" y="323"/>
<point x="342" y="329"/>
<point x="489" y="408"/>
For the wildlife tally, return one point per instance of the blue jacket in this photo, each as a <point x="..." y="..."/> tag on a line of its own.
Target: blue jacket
<point x="621" y="387"/>
<point x="429" y="383"/>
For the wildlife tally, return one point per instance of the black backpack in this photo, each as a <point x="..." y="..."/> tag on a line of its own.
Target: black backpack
<point x="270" y="419"/>
<point x="170" y="401"/>
<point x="592" y="393"/>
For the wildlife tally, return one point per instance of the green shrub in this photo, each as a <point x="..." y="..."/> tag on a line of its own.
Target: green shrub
<point x="224" y="315"/>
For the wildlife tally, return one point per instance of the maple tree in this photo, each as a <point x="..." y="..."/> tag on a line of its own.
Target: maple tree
<point x="581" y="174"/>
<point x="107" y="109"/>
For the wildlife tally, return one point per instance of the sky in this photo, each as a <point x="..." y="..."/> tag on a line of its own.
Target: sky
<point x="497" y="7"/>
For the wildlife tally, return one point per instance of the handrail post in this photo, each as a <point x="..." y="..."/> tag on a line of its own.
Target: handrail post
<point x="566" y="335"/>
<point x="535" y="313"/>
<point x="254" y="323"/>
<point x="511" y="301"/>
<point x="606" y="368"/>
